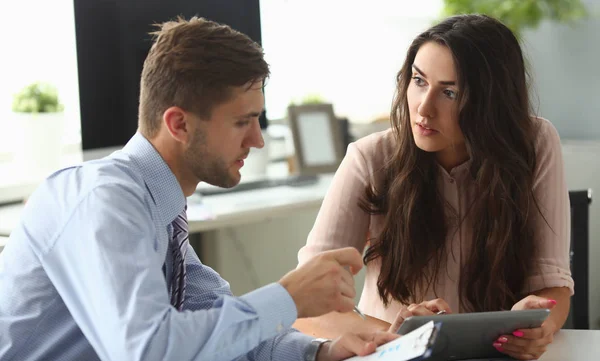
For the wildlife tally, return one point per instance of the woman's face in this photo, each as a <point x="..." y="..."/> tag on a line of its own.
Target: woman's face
<point x="432" y="101"/>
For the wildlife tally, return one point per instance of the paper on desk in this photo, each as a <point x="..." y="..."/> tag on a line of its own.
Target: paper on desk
<point x="411" y="346"/>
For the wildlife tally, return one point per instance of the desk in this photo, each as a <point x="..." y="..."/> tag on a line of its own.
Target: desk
<point x="234" y="209"/>
<point x="568" y="345"/>
<point x="229" y="209"/>
<point x="572" y="345"/>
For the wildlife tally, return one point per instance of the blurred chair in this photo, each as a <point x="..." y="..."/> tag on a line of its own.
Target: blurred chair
<point x="580" y="308"/>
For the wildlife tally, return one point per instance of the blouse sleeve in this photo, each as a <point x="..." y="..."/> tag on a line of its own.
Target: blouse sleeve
<point x="551" y="266"/>
<point x="341" y="222"/>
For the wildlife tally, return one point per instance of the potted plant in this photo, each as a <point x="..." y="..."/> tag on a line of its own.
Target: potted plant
<point x="519" y="15"/>
<point x="40" y="121"/>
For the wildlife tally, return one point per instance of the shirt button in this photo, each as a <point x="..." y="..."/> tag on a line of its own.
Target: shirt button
<point x="451" y="180"/>
<point x="279" y="327"/>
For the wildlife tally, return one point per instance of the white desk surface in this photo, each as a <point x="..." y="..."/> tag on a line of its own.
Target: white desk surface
<point x="574" y="345"/>
<point x="570" y="345"/>
<point x="228" y="210"/>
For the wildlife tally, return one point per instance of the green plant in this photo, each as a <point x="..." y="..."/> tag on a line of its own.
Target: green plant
<point x="37" y="98"/>
<point x="313" y="99"/>
<point x="520" y="14"/>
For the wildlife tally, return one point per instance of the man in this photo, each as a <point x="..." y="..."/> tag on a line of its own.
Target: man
<point x="100" y="266"/>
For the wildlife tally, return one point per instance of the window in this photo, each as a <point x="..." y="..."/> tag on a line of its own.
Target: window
<point x="38" y="45"/>
<point x="348" y="52"/>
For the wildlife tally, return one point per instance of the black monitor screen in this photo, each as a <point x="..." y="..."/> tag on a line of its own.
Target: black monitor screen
<point x="112" y="43"/>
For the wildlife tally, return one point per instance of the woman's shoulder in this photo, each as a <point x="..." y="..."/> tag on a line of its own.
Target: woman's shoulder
<point x="547" y="138"/>
<point x="376" y="147"/>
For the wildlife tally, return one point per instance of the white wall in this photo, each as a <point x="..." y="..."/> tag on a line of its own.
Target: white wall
<point x="566" y="66"/>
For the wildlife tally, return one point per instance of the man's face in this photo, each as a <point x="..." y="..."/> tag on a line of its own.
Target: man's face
<point x="220" y="144"/>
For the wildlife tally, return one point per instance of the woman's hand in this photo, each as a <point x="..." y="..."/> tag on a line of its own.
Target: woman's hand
<point x="422" y="309"/>
<point x="529" y="344"/>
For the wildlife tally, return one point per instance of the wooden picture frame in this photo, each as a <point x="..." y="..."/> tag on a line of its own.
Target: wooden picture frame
<point x="317" y="138"/>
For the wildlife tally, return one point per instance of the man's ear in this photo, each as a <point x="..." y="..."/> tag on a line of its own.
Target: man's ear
<point x="176" y="121"/>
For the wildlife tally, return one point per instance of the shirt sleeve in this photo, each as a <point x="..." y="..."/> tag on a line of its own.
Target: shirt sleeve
<point x="105" y="267"/>
<point x="291" y="345"/>
<point x="551" y="266"/>
<point x="204" y="287"/>
<point x="341" y="222"/>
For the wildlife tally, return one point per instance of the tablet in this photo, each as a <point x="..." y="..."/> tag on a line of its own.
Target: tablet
<point x="471" y="335"/>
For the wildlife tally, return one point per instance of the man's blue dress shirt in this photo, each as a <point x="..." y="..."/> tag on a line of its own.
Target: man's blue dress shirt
<point x="82" y="277"/>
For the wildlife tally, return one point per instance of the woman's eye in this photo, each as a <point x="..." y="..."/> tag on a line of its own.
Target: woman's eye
<point x="450" y="93"/>
<point x="418" y="81"/>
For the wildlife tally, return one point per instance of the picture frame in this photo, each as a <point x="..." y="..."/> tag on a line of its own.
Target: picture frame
<point x="317" y="138"/>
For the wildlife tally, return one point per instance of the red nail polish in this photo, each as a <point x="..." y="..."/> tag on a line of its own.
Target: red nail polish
<point x="553" y="302"/>
<point x="519" y="333"/>
<point x="503" y="339"/>
<point x="498" y="346"/>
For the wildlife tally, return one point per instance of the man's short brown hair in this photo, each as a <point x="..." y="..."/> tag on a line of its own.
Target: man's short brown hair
<point x="193" y="65"/>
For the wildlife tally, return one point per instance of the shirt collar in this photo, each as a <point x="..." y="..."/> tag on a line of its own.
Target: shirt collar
<point x="160" y="180"/>
<point x="459" y="171"/>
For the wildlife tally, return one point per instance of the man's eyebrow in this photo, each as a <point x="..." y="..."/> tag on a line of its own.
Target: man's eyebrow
<point x="251" y="114"/>
<point x="443" y="82"/>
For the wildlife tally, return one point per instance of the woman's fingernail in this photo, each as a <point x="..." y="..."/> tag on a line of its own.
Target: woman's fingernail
<point x="519" y="333"/>
<point x="553" y="302"/>
<point x="498" y="346"/>
<point x="503" y="339"/>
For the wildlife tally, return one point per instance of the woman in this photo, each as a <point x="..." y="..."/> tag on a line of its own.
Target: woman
<point x="463" y="202"/>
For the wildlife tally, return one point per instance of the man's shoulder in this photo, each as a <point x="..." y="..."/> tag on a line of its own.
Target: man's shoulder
<point x="107" y="178"/>
<point x="83" y="192"/>
<point x="106" y="173"/>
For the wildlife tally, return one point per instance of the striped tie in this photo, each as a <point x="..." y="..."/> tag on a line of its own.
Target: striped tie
<point x="179" y="244"/>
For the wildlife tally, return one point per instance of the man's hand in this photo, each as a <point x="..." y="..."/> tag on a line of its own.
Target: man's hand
<point x="425" y="308"/>
<point x="350" y="344"/>
<point x="528" y="344"/>
<point x="323" y="284"/>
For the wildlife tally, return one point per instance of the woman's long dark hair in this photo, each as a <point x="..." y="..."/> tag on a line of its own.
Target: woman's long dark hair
<point x="495" y="119"/>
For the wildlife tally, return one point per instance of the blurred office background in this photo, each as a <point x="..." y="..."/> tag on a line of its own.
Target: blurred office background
<point x="330" y="51"/>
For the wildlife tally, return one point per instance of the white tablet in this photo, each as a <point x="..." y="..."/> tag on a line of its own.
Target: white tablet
<point x="471" y="335"/>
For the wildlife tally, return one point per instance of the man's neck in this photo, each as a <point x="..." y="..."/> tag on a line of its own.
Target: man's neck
<point x="173" y="157"/>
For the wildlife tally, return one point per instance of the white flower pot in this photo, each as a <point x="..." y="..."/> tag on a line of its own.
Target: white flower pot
<point x="39" y="149"/>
